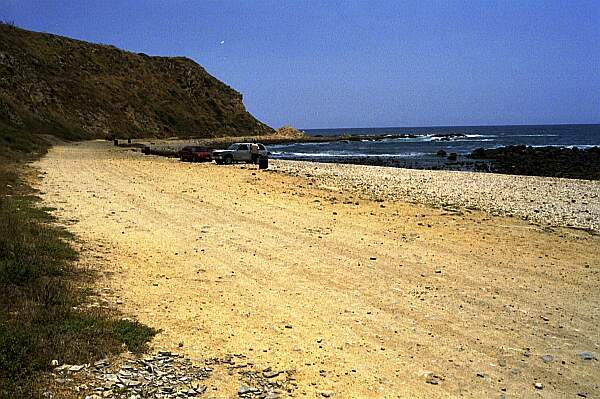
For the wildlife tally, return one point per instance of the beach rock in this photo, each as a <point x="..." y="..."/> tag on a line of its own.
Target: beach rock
<point x="543" y="161"/>
<point x="243" y="390"/>
<point x="586" y="356"/>
<point x="547" y="358"/>
<point x="433" y="380"/>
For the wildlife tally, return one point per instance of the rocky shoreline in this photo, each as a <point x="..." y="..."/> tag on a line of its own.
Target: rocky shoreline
<point x="573" y="163"/>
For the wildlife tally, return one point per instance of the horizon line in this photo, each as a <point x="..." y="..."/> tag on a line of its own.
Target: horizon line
<point x="439" y="126"/>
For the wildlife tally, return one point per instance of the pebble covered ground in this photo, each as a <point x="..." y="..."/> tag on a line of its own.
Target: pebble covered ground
<point x="166" y="376"/>
<point x="545" y="200"/>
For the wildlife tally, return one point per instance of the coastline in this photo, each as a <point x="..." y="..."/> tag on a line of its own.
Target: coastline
<point x="548" y="161"/>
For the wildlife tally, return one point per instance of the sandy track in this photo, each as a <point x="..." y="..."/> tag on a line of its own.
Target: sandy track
<point x="361" y="300"/>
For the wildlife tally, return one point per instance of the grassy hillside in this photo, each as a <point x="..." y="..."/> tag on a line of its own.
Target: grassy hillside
<point x="76" y="90"/>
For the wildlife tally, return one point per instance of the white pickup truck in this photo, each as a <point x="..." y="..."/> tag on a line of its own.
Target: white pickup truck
<point x="238" y="152"/>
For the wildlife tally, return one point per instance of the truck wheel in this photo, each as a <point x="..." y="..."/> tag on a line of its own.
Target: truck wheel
<point x="228" y="160"/>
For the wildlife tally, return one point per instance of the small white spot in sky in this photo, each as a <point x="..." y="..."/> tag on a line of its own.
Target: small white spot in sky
<point x="222" y="42"/>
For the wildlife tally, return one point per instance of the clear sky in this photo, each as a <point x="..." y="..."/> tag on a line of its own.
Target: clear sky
<point x="363" y="63"/>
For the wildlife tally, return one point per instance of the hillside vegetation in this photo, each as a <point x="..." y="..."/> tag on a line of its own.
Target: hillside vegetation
<point x="77" y="90"/>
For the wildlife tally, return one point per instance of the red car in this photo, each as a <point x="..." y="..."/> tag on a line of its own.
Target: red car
<point x="195" y="154"/>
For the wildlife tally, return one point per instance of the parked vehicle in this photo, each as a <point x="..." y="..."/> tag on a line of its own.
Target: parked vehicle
<point x="239" y="152"/>
<point x="195" y="154"/>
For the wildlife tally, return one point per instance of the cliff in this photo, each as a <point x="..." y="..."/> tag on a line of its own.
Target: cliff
<point x="77" y="90"/>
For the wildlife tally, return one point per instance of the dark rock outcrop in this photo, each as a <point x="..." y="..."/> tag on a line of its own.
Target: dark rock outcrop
<point x="74" y="89"/>
<point x="572" y="163"/>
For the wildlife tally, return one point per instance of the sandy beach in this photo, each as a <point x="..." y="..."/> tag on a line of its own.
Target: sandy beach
<point x="359" y="281"/>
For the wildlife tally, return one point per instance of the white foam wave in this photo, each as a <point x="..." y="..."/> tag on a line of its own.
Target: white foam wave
<point x="533" y="135"/>
<point x="344" y="155"/>
<point x="580" y="146"/>
<point x="479" y="135"/>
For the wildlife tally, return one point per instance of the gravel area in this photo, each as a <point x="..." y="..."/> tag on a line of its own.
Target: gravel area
<point x="544" y="200"/>
<point x="167" y="376"/>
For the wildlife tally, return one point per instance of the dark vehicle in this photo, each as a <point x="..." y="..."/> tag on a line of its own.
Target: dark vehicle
<point x="195" y="154"/>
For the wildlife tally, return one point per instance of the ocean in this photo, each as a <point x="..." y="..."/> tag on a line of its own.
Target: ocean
<point x="420" y="151"/>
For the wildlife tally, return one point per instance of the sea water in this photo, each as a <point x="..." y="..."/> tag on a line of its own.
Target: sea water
<point x="428" y="141"/>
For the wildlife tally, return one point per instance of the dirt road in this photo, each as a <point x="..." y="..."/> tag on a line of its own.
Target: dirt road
<point x="360" y="298"/>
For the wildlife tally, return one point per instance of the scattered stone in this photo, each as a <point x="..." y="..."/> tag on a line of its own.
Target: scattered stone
<point x="170" y="376"/>
<point x="538" y="385"/>
<point x="466" y="189"/>
<point x="102" y="363"/>
<point x="271" y="374"/>
<point x="433" y="380"/>
<point x="246" y="390"/>
<point x="327" y="394"/>
<point x="586" y="355"/>
<point x="547" y="358"/>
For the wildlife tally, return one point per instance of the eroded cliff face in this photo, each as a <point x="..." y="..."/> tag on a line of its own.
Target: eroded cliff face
<point x="74" y="89"/>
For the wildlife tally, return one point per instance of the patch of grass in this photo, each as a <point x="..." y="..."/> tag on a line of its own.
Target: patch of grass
<point x="40" y="295"/>
<point x="135" y="335"/>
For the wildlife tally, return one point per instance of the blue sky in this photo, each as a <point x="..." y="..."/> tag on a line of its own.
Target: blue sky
<point x="317" y="64"/>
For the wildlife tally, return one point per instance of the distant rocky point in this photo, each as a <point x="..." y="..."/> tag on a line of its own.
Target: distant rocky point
<point x="78" y="90"/>
<point x="289" y="132"/>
